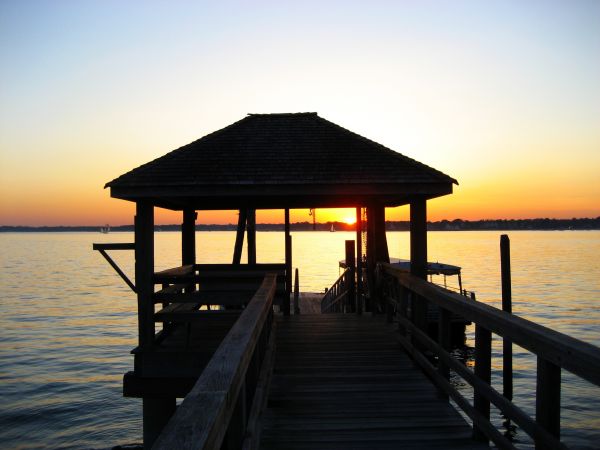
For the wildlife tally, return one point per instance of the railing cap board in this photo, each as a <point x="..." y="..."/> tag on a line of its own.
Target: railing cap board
<point x="578" y="357"/>
<point x="201" y="420"/>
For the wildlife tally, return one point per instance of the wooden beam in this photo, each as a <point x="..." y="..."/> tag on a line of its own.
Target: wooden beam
<point x="144" y="268"/>
<point x="359" y="262"/>
<point x="288" y="263"/>
<point x="188" y="237"/>
<point x="251" y="230"/>
<point x="418" y="256"/>
<point x="239" y="237"/>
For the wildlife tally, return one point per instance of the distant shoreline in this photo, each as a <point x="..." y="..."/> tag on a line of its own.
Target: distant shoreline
<point x="443" y="225"/>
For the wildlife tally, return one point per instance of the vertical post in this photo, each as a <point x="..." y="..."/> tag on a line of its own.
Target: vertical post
<point x="288" y="275"/>
<point x="483" y="371"/>
<point x="288" y="263"/>
<point x="350" y="263"/>
<point x="418" y="256"/>
<point x="251" y="230"/>
<point x="507" y="370"/>
<point x="444" y="340"/>
<point x="547" y="398"/>
<point x="239" y="237"/>
<point x="188" y="237"/>
<point x="381" y="248"/>
<point x="359" y="262"/>
<point x="156" y="414"/>
<point x="144" y="270"/>
<point x="296" y="293"/>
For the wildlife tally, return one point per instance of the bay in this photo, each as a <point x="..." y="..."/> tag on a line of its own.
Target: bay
<point x="68" y="322"/>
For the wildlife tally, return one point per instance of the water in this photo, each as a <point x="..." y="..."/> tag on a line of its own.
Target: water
<point x="68" y="322"/>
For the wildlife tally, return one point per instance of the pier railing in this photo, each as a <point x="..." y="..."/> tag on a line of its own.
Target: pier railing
<point x="340" y="297"/>
<point x="222" y="409"/>
<point x="405" y="295"/>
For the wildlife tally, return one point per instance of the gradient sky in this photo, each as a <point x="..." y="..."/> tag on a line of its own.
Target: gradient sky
<point x="504" y="96"/>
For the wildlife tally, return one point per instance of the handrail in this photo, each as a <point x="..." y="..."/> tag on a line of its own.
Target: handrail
<point x="335" y="299"/>
<point x="215" y="408"/>
<point x="553" y="349"/>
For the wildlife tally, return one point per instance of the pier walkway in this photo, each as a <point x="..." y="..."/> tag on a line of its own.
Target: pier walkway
<point x="342" y="381"/>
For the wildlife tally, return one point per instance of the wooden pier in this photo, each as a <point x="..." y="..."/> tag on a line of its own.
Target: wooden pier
<point x="342" y="381"/>
<point x="366" y="376"/>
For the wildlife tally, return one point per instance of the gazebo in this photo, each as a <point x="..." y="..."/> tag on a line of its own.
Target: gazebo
<point x="266" y="161"/>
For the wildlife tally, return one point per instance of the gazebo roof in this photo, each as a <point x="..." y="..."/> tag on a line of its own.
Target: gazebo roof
<point x="280" y="161"/>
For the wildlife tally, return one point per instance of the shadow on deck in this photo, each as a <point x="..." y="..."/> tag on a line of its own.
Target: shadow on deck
<point x="342" y="381"/>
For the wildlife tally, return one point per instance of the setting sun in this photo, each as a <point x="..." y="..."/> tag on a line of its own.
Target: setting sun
<point x="349" y="220"/>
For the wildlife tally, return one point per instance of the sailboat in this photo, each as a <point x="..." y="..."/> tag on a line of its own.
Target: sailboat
<point x="105" y="230"/>
<point x="332" y="228"/>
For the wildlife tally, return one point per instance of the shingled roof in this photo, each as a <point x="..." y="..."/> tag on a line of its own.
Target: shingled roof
<point x="264" y="158"/>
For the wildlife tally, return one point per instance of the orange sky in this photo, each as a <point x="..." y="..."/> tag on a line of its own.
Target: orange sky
<point x="504" y="97"/>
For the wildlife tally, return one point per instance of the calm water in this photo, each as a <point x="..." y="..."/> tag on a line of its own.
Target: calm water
<point x="68" y="322"/>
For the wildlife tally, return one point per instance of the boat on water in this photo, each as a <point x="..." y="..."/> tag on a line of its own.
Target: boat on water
<point x="433" y="268"/>
<point x="105" y="229"/>
<point x="332" y="230"/>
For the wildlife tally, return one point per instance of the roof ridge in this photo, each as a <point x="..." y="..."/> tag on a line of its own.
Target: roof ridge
<point x="284" y="114"/>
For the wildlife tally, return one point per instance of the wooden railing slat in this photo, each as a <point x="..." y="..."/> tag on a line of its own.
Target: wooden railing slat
<point x="204" y="416"/>
<point x="576" y="356"/>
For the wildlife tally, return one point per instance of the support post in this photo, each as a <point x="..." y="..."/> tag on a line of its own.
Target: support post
<point x="188" y="237"/>
<point x="507" y="363"/>
<point x="251" y="230"/>
<point x="547" y="398"/>
<point x="483" y="371"/>
<point x="350" y="263"/>
<point x="239" y="237"/>
<point x="156" y="414"/>
<point x="288" y="264"/>
<point x="288" y="275"/>
<point x="144" y="270"/>
<point x="418" y="256"/>
<point x="359" y="262"/>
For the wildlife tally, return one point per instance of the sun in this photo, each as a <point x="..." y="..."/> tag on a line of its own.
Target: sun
<point x="349" y="220"/>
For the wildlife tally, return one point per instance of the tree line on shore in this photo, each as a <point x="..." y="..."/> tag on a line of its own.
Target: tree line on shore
<point x="442" y="225"/>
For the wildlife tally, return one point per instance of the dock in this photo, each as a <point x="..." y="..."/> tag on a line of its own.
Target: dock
<point x="355" y="367"/>
<point x="342" y="381"/>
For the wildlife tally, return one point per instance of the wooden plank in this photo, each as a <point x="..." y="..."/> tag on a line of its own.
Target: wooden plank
<point x="342" y="381"/>
<point x="114" y="246"/>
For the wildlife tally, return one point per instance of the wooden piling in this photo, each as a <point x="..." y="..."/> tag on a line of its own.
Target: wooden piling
<point x="296" y="293"/>
<point x="507" y="369"/>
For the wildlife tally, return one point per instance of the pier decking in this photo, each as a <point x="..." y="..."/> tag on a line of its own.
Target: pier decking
<point x="342" y="381"/>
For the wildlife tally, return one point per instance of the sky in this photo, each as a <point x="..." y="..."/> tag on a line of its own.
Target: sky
<point x="504" y="96"/>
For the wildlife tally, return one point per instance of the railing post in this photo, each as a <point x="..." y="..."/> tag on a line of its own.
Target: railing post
<point x="237" y="425"/>
<point x="350" y="263"/>
<point x="507" y="372"/>
<point x="403" y="308"/>
<point x="483" y="371"/>
<point x="444" y="342"/>
<point x="547" y="398"/>
<point x="296" y="294"/>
